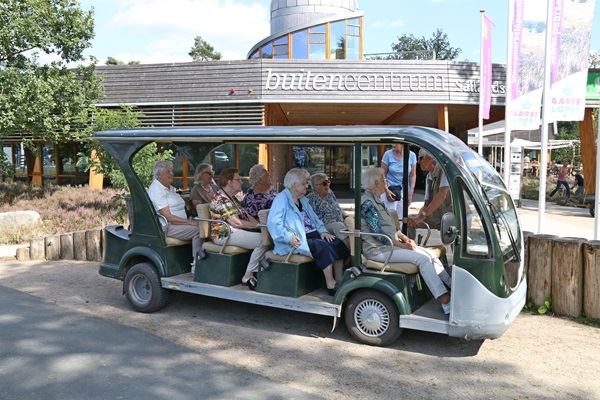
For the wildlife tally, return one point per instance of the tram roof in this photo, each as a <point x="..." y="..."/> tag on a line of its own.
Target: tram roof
<point x="338" y="135"/>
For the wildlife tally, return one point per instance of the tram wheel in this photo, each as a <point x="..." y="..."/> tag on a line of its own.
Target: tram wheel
<point x="143" y="288"/>
<point x="372" y="318"/>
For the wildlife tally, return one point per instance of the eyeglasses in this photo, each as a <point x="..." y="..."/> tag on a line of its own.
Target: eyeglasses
<point x="237" y="179"/>
<point x="209" y="173"/>
<point x="326" y="182"/>
<point x="421" y="157"/>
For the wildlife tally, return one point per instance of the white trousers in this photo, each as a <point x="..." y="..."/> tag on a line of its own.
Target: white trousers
<point x="430" y="267"/>
<point x="247" y="240"/>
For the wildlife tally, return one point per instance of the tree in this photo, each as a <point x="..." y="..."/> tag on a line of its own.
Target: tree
<point x="114" y="61"/>
<point x="143" y="162"/>
<point x="43" y="101"/>
<point x="594" y="59"/>
<point x="203" y="51"/>
<point x="438" y="42"/>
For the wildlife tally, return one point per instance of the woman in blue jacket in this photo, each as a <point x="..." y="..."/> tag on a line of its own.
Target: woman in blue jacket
<point x="291" y="209"/>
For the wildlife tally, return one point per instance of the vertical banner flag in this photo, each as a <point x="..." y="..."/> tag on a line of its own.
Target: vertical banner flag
<point x="486" y="65"/>
<point x="527" y="61"/>
<point x="570" y="47"/>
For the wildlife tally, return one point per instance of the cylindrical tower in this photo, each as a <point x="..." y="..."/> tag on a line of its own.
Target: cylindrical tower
<point x="286" y="14"/>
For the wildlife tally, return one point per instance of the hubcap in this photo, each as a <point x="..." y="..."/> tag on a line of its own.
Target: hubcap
<point x="372" y="318"/>
<point x="141" y="290"/>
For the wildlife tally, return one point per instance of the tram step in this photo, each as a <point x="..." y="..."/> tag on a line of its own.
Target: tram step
<point x="289" y="279"/>
<point x="221" y="269"/>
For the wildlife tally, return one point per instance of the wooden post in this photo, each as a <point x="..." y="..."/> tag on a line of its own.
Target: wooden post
<point x="79" y="247"/>
<point x="539" y="269"/>
<point x="591" y="279"/>
<point x="567" y="276"/>
<point x="96" y="178"/>
<point x="443" y="123"/>
<point x="93" y="244"/>
<point x="37" y="249"/>
<point x="22" y="254"/>
<point x="588" y="150"/>
<point x="52" y="244"/>
<point x="66" y="246"/>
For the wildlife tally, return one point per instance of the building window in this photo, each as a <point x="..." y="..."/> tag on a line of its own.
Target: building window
<point x="280" y="47"/>
<point x="267" y="50"/>
<point x="353" y="39"/>
<point x="300" y="45"/>
<point x="337" y="40"/>
<point x="317" y="37"/>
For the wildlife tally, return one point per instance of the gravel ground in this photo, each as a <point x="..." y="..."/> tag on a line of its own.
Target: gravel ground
<point x="538" y="357"/>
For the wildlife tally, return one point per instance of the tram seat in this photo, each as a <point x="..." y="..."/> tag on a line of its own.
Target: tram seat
<point x="220" y="265"/>
<point x="293" y="278"/>
<point x="171" y="241"/>
<point x="203" y="211"/>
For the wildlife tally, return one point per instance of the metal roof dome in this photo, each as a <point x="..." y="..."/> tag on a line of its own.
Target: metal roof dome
<point x="286" y="14"/>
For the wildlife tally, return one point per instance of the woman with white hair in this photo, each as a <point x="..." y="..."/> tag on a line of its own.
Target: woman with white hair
<point x="261" y="194"/>
<point x="291" y="209"/>
<point x="376" y="218"/>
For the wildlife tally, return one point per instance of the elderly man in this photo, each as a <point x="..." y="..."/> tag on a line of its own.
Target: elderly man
<point x="171" y="206"/>
<point x="437" y="198"/>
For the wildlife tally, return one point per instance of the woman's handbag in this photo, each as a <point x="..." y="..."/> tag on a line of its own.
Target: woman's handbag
<point x="397" y="190"/>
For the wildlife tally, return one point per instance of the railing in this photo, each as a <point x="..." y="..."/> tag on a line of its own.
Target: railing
<point x="403" y="55"/>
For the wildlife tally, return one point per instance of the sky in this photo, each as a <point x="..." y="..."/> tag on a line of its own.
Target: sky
<point x="163" y="31"/>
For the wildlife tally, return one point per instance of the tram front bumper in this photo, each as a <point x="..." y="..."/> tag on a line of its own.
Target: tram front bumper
<point x="478" y="314"/>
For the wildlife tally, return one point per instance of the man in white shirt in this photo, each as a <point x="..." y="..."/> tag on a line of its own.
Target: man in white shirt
<point x="170" y="205"/>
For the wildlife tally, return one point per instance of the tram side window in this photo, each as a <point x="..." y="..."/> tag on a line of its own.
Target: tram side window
<point x="475" y="238"/>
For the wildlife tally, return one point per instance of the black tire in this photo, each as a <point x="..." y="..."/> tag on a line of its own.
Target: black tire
<point x="143" y="289"/>
<point x="372" y="318"/>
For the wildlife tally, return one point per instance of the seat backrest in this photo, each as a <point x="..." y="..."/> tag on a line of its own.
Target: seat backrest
<point x="203" y="211"/>
<point x="265" y="236"/>
<point x="394" y="215"/>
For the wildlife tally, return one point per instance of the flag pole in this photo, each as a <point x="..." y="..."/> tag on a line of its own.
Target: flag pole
<point x="481" y="61"/>
<point x="545" y="119"/>
<point x="509" y="93"/>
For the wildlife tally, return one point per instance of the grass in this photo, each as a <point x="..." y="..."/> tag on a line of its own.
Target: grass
<point x="62" y="209"/>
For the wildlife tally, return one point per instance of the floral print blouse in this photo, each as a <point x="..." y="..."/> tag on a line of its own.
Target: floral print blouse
<point x="254" y="201"/>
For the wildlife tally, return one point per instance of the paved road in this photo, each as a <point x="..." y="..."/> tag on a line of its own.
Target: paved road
<point x="50" y="352"/>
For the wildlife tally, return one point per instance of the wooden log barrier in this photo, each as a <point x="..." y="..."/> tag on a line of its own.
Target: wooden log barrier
<point x="23" y="254"/>
<point x="567" y="276"/>
<point x="37" y="249"/>
<point x="539" y="268"/>
<point x="52" y="244"/>
<point x="66" y="246"/>
<point x="93" y="242"/>
<point x="591" y="279"/>
<point x="79" y="247"/>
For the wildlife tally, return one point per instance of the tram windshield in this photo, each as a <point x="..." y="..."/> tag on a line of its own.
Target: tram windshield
<point x="500" y="204"/>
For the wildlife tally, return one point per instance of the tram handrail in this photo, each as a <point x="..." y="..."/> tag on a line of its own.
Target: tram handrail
<point x="389" y="239"/>
<point x="218" y="221"/>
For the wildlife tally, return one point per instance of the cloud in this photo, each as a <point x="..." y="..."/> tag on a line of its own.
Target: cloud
<point x="387" y="24"/>
<point x="232" y="27"/>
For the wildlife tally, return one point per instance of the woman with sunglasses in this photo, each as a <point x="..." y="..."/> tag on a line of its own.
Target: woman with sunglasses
<point x="325" y="204"/>
<point x="225" y="206"/>
<point x="205" y="189"/>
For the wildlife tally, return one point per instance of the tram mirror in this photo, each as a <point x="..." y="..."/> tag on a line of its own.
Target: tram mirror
<point x="448" y="228"/>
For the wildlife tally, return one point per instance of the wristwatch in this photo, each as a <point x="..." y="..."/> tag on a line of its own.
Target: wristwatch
<point x="423" y="213"/>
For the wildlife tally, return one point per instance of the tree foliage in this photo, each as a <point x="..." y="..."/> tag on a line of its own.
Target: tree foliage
<point x="438" y="42"/>
<point x="114" y="61"/>
<point x="594" y="59"/>
<point x="203" y="51"/>
<point x="43" y="101"/>
<point x="143" y="162"/>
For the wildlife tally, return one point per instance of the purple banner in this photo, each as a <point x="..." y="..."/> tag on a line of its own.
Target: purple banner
<point x="557" y="24"/>
<point x="517" y="37"/>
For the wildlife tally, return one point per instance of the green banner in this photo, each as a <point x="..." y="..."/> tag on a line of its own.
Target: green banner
<point x="593" y="86"/>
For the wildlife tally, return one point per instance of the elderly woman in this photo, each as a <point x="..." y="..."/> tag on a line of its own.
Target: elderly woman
<point x="171" y="206"/>
<point x="376" y="218"/>
<point x="225" y="206"/>
<point x="205" y="189"/>
<point x="325" y="204"/>
<point x="291" y="209"/>
<point x="261" y="194"/>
